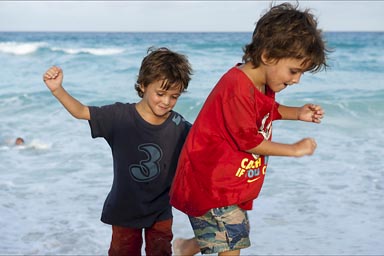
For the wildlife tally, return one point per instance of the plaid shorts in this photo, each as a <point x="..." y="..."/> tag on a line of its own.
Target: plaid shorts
<point x="222" y="229"/>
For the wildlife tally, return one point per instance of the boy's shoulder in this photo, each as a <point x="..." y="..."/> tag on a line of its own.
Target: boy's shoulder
<point x="110" y="111"/>
<point x="115" y="105"/>
<point x="178" y="119"/>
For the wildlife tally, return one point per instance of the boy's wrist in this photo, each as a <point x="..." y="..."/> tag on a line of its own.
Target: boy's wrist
<point x="297" y="113"/>
<point x="56" y="92"/>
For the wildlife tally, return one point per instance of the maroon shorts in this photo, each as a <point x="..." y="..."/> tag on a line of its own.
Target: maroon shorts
<point x="128" y="241"/>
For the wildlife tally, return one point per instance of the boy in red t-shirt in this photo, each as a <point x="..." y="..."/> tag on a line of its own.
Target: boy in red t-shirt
<point x="223" y="162"/>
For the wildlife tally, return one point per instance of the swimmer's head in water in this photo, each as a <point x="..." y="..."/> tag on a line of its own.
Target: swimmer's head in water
<point x="19" y="141"/>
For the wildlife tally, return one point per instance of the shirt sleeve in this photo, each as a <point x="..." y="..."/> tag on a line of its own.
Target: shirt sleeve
<point x="101" y="122"/>
<point x="276" y="113"/>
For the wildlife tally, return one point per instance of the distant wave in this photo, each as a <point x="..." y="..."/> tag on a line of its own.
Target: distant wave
<point x="18" y="48"/>
<point x="93" y="51"/>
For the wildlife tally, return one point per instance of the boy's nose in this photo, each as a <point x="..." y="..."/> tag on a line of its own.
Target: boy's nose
<point x="296" y="80"/>
<point x="166" y="100"/>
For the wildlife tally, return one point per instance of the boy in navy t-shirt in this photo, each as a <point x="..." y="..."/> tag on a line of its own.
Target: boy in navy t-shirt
<point x="145" y="138"/>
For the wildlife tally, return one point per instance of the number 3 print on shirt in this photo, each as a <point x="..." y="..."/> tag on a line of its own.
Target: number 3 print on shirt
<point x="149" y="168"/>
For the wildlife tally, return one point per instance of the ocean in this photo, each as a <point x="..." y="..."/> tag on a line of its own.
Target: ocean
<point x="53" y="187"/>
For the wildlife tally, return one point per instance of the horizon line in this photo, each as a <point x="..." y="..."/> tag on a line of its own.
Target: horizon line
<point x="170" y="31"/>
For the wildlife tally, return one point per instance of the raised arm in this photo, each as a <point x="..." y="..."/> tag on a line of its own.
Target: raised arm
<point x="53" y="78"/>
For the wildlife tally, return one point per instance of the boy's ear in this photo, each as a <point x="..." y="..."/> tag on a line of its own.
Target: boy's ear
<point x="266" y="59"/>
<point x="142" y="88"/>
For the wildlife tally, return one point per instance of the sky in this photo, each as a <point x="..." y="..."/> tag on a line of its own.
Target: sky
<point x="177" y="16"/>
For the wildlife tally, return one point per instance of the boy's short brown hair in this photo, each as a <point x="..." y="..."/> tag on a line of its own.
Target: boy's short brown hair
<point x="286" y="32"/>
<point x="163" y="64"/>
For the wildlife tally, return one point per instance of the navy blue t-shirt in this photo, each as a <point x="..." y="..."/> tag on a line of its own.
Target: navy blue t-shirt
<point x="144" y="163"/>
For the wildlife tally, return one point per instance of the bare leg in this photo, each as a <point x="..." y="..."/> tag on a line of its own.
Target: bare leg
<point x="230" y="253"/>
<point x="185" y="247"/>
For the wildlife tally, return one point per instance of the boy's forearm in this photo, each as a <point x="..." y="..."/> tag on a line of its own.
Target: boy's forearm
<point x="269" y="148"/>
<point x="72" y="105"/>
<point x="289" y="113"/>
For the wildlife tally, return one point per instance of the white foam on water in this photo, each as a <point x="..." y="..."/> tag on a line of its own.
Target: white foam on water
<point x="93" y="51"/>
<point x="18" y="48"/>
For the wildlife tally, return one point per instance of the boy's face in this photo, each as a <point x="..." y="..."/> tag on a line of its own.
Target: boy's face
<point x="282" y="73"/>
<point x="158" y="101"/>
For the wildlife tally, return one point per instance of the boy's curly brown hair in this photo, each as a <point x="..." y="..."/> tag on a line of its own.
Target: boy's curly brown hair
<point x="163" y="64"/>
<point x="286" y="32"/>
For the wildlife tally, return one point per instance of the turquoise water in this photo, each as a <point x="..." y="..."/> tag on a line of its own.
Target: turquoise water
<point x="52" y="189"/>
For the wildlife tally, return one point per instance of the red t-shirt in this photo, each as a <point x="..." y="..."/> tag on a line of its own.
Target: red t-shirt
<point x="214" y="169"/>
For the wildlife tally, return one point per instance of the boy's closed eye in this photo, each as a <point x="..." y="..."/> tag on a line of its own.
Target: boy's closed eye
<point x="296" y="71"/>
<point x="174" y="96"/>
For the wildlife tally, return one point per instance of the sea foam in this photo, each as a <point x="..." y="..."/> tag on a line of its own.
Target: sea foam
<point x="18" y="48"/>
<point x="93" y="51"/>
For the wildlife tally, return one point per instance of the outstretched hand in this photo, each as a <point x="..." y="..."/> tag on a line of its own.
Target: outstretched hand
<point x="53" y="78"/>
<point x="310" y="113"/>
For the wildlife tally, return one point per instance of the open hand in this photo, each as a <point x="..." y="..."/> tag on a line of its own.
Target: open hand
<point x="311" y="113"/>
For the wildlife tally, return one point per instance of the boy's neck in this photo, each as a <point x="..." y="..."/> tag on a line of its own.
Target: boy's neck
<point x="148" y="116"/>
<point x="256" y="75"/>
